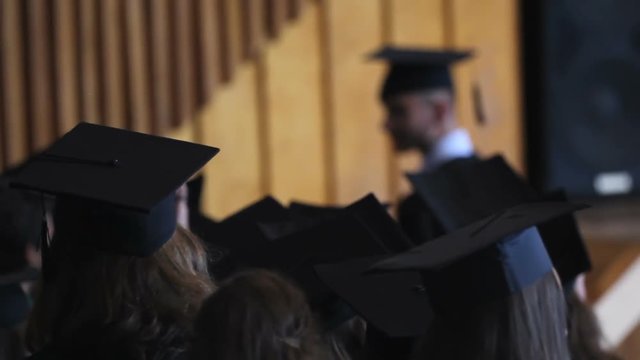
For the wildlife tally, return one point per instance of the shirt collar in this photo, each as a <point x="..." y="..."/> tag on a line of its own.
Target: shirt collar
<point x="455" y="144"/>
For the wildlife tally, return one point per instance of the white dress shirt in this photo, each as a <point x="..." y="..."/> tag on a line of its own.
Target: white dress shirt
<point x="456" y="144"/>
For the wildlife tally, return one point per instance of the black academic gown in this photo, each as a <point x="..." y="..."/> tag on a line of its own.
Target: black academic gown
<point x="416" y="219"/>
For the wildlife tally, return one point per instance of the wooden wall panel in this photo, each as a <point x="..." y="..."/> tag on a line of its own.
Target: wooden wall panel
<point x="42" y="114"/>
<point x="295" y="123"/>
<point x="113" y="67"/>
<point x="138" y="66"/>
<point x="417" y="22"/>
<point x="494" y="72"/>
<point x="358" y="139"/>
<point x="233" y="178"/>
<point x="208" y="43"/>
<point x="90" y="95"/>
<point x="184" y="71"/>
<point x="66" y="64"/>
<point x="14" y="82"/>
<point x="161" y="70"/>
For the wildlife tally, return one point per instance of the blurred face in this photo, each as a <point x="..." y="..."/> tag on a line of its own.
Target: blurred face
<point x="413" y="121"/>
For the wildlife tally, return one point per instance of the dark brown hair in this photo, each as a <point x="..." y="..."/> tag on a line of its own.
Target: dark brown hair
<point x="528" y="325"/>
<point x="138" y="308"/>
<point x="256" y="315"/>
<point x="585" y="337"/>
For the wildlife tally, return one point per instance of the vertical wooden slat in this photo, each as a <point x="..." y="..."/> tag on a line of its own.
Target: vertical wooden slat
<point x="161" y="90"/>
<point x="294" y="8"/>
<point x="137" y="65"/>
<point x="494" y="72"/>
<point x="42" y="110"/>
<point x="184" y="60"/>
<point x="295" y="115"/>
<point x="276" y="14"/>
<point x="208" y="43"/>
<point x="253" y="27"/>
<point x="89" y="63"/>
<point x="14" y="83"/>
<point x="66" y="66"/>
<point x="358" y="140"/>
<point x="229" y="21"/>
<point x="113" y="72"/>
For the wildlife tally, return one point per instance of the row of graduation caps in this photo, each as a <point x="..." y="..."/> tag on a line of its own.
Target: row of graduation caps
<point x="119" y="187"/>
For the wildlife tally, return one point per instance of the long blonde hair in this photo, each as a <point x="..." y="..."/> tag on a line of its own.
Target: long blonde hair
<point x="142" y="306"/>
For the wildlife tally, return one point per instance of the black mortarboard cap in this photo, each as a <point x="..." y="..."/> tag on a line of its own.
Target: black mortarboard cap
<point x="466" y="190"/>
<point x="394" y="303"/>
<point x="564" y="243"/>
<point x="417" y="69"/>
<point x="369" y="210"/>
<point x="333" y="240"/>
<point x="488" y="259"/>
<point x="114" y="188"/>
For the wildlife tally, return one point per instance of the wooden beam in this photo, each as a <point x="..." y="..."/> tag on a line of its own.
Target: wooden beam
<point x="13" y="82"/>
<point x="42" y="114"/>
<point x="137" y="62"/>
<point x="66" y="64"/>
<point x="161" y="54"/>
<point x="208" y="43"/>
<point x="90" y="93"/>
<point x="184" y="69"/>
<point x="113" y="67"/>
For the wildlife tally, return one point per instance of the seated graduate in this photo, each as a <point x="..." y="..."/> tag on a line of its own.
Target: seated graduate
<point x="119" y="279"/>
<point x="486" y="291"/>
<point x="256" y="315"/>
<point x="19" y="228"/>
<point x="363" y="228"/>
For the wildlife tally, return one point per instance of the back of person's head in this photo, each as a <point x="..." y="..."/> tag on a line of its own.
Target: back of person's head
<point x="527" y="325"/>
<point x="140" y="307"/>
<point x="585" y="336"/>
<point x="255" y="315"/>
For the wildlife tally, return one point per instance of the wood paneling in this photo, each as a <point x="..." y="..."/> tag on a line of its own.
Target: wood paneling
<point x="161" y="70"/>
<point x="138" y="67"/>
<point x="493" y="75"/>
<point x="295" y="120"/>
<point x="113" y="67"/>
<point x="357" y="137"/>
<point x="41" y="74"/>
<point x="14" y="82"/>
<point x="233" y="178"/>
<point x="282" y="86"/>
<point x="89" y="62"/>
<point x="66" y="64"/>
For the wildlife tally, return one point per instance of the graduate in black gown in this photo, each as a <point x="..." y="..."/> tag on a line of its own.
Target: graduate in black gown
<point x="120" y="279"/>
<point x="418" y="95"/>
<point x="485" y="291"/>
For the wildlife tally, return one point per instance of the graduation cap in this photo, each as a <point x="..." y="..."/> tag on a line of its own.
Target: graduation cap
<point x="330" y="241"/>
<point x="393" y="303"/>
<point x="565" y="244"/>
<point x="369" y="210"/>
<point x="417" y="69"/>
<point x="491" y="258"/>
<point x="467" y="190"/>
<point x="114" y="188"/>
